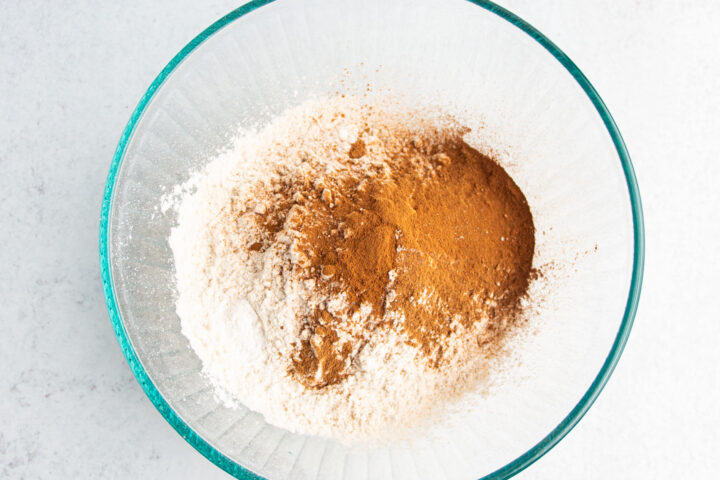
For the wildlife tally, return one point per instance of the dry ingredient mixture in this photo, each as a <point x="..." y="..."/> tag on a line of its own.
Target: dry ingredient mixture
<point x="350" y="268"/>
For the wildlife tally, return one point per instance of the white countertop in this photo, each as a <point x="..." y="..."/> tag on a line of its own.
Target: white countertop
<point x="71" y="73"/>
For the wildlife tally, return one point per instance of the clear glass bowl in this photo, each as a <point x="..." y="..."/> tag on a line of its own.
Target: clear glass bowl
<point x="563" y="149"/>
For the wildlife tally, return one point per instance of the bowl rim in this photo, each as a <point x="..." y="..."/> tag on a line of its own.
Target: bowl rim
<point x="507" y="471"/>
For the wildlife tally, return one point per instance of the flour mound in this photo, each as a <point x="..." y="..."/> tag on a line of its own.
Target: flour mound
<point x="241" y="307"/>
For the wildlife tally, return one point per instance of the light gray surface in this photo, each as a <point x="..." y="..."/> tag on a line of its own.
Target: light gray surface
<point x="71" y="73"/>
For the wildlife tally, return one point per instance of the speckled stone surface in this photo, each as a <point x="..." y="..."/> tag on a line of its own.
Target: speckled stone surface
<point x="70" y="74"/>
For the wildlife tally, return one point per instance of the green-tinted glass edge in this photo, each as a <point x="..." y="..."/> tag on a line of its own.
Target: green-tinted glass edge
<point x="508" y="470"/>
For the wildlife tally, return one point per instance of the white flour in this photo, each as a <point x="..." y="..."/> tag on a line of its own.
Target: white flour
<point x="239" y="307"/>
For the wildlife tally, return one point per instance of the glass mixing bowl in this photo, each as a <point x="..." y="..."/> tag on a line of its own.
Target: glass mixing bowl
<point x="557" y="140"/>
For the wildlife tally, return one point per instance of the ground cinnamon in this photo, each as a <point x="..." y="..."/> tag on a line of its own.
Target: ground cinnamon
<point x="430" y="238"/>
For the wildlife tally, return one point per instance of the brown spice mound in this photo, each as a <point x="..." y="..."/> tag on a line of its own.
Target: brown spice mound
<point x="432" y="239"/>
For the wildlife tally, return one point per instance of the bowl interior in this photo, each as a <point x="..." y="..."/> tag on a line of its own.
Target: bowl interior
<point x="499" y="80"/>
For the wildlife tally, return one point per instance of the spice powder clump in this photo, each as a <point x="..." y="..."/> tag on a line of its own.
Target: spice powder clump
<point x="380" y="256"/>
